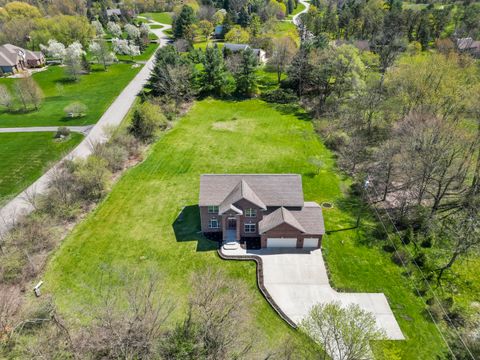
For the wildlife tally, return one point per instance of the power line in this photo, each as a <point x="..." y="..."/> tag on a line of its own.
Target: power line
<point x="423" y="276"/>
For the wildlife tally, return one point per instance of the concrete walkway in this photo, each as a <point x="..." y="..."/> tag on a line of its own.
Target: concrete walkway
<point x="114" y="115"/>
<point x="297" y="279"/>
<point x="78" y="129"/>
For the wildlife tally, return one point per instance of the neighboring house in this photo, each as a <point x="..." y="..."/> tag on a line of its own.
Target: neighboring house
<point x="218" y="32"/>
<point x="233" y="48"/>
<point x="266" y="209"/>
<point x="14" y="59"/>
<point x="111" y="12"/>
<point x="468" y="45"/>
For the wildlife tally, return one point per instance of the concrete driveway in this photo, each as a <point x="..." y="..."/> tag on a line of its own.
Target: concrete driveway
<point x="297" y="279"/>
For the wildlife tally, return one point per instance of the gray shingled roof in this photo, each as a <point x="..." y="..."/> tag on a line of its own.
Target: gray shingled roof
<point x="271" y="189"/>
<point x="235" y="47"/>
<point x="278" y="217"/>
<point x="308" y="220"/>
<point x="241" y="191"/>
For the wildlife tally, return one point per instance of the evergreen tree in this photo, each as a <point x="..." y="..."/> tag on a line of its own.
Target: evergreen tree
<point x="290" y="6"/>
<point x="246" y="78"/>
<point x="183" y="22"/>
<point x="215" y="78"/>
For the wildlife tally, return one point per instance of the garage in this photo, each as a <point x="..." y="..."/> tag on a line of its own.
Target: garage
<point x="310" y="243"/>
<point x="281" y="242"/>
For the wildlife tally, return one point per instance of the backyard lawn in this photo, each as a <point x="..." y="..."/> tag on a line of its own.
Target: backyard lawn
<point x="161" y="17"/>
<point x="97" y="90"/>
<point x="26" y="156"/>
<point x="135" y="228"/>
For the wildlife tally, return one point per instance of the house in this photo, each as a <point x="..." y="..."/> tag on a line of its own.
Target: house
<point x="14" y="59"/>
<point x="234" y="48"/>
<point x="112" y="12"/>
<point x="267" y="209"/>
<point x="468" y="45"/>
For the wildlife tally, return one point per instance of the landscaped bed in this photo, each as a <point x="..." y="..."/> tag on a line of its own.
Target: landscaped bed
<point x="135" y="228"/>
<point x="26" y="156"/>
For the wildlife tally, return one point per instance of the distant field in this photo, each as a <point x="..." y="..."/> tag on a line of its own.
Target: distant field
<point x="162" y="17"/>
<point x="97" y="90"/>
<point x="26" y="156"/>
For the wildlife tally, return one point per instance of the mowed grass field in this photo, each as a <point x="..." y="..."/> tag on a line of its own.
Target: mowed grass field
<point x="26" y="156"/>
<point x="137" y="226"/>
<point x="96" y="90"/>
<point x="161" y="17"/>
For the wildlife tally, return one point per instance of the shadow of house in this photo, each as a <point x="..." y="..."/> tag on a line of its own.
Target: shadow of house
<point x="187" y="228"/>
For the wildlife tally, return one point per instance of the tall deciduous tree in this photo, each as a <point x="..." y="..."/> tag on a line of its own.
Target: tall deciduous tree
<point x="344" y="332"/>
<point x="101" y="51"/>
<point x="29" y="92"/>
<point x="284" y="49"/>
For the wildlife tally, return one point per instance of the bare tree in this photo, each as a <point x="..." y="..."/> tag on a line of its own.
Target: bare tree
<point x="128" y="327"/>
<point x="284" y="50"/>
<point x="6" y="98"/>
<point x="344" y="332"/>
<point x="9" y="305"/>
<point x="218" y="304"/>
<point x="29" y="92"/>
<point x="463" y="236"/>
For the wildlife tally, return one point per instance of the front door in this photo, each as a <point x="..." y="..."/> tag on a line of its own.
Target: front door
<point x="231" y="223"/>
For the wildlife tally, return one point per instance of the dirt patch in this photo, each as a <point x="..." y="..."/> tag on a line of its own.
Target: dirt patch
<point x="230" y="125"/>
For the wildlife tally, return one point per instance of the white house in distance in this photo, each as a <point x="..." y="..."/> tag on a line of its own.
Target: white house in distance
<point x="259" y="53"/>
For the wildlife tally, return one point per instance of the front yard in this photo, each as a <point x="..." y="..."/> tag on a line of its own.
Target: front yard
<point x="135" y="227"/>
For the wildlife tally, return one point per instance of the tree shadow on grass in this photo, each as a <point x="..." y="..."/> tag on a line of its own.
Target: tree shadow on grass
<point x="187" y="228"/>
<point x="291" y="109"/>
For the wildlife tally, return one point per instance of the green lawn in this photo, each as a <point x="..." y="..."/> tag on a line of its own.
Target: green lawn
<point x="26" y="156"/>
<point x="161" y="17"/>
<point x="135" y="227"/>
<point x="144" y="56"/>
<point x="97" y="90"/>
<point x="300" y="7"/>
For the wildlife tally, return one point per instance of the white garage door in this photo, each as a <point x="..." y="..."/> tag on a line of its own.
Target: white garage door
<point x="281" y="242"/>
<point x="310" y="242"/>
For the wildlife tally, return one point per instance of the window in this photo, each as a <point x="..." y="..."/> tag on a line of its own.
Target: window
<point x="250" y="212"/>
<point x="213" y="209"/>
<point x="213" y="224"/>
<point x="250" y="228"/>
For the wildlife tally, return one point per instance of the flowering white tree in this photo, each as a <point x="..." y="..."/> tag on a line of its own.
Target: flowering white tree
<point x="73" y="59"/>
<point x="114" y="29"/>
<point x="101" y="51"/>
<point x="54" y="49"/>
<point x="125" y="47"/>
<point x="132" y="31"/>
<point x="97" y="25"/>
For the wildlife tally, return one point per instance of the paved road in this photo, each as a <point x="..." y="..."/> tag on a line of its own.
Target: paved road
<point x="114" y="115"/>
<point x="79" y="129"/>
<point x="295" y="18"/>
<point x="297" y="279"/>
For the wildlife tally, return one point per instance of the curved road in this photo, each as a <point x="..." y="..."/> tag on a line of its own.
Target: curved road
<point x="295" y="18"/>
<point x="114" y="115"/>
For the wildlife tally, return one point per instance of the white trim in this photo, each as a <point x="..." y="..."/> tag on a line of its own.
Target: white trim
<point x="250" y="224"/>
<point x="210" y="221"/>
<point x="212" y="209"/>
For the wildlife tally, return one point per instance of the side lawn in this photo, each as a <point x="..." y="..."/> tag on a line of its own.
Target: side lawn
<point x="26" y="156"/>
<point x="138" y="226"/>
<point x="161" y="17"/>
<point x="96" y="90"/>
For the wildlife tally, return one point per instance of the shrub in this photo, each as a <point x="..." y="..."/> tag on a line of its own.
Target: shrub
<point x="114" y="154"/>
<point x="75" y="109"/>
<point x="147" y="120"/>
<point x="11" y="267"/>
<point x="91" y="177"/>
<point x="280" y="96"/>
<point x="420" y="259"/>
<point x="336" y="140"/>
<point x="409" y="236"/>
<point x="400" y="257"/>
<point x="62" y="132"/>
<point x="427" y="242"/>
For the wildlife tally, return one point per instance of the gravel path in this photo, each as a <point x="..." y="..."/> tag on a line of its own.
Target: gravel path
<point x="114" y="115"/>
